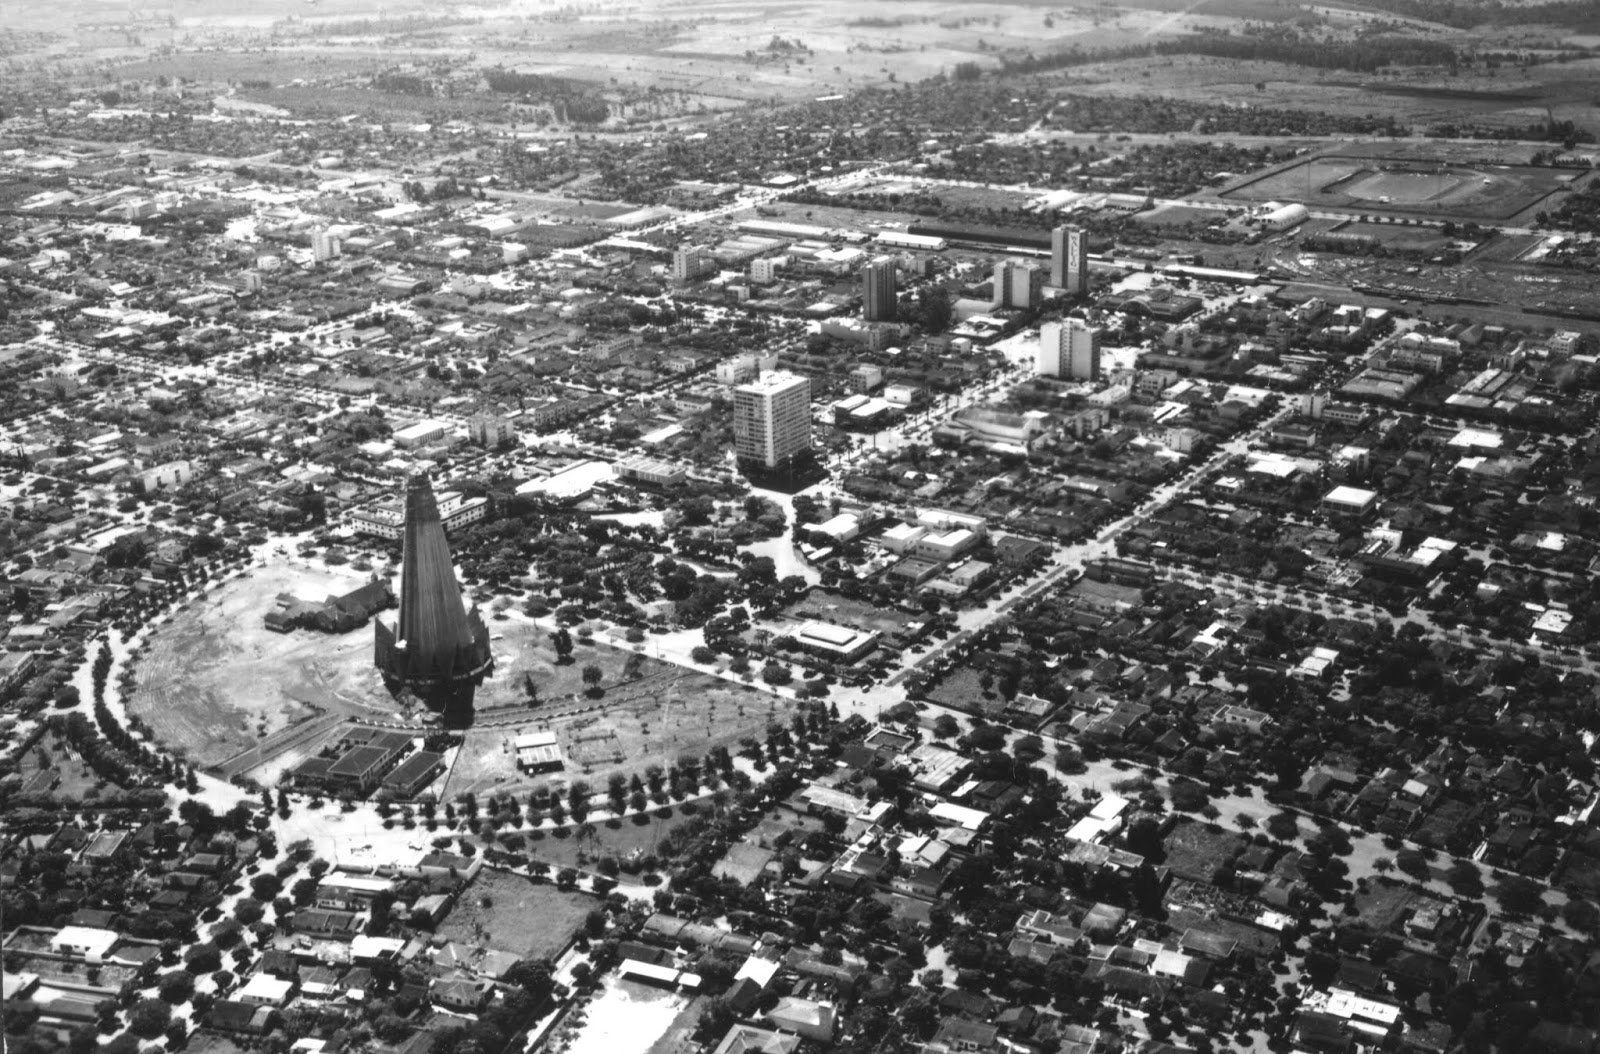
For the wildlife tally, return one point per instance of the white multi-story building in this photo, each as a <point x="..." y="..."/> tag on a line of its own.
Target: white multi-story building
<point x="324" y="246"/>
<point x="1017" y="284"/>
<point x="690" y="262"/>
<point x="764" y="271"/>
<point x="738" y="370"/>
<point x="1069" y="349"/>
<point x="772" y="418"/>
<point x="387" y="519"/>
<point x="490" y="430"/>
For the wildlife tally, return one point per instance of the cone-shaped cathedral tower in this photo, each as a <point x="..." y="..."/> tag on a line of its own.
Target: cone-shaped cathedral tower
<point x="439" y="650"/>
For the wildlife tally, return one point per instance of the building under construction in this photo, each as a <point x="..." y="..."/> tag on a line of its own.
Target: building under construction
<point x="439" y="650"/>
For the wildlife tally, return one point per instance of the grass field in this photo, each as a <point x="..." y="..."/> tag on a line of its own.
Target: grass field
<point x="627" y="839"/>
<point x="523" y="651"/>
<point x="960" y="688"/>
<point x="508" y="913"/>
<point x="1196" y="850"/>
<point x="1381" y="907"/>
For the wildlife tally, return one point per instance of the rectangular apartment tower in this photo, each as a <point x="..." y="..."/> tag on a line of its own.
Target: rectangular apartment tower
<point x="1018" y="285"/>
<point x="772" y="419"/>
<point x="878" y="290"/>
<point x="1069" y="261"/>
<point x="1070" y="350"/>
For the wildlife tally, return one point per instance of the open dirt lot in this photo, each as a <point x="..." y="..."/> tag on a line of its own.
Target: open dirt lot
<point x="523" y="918"/>
<point x="213" y="679"/>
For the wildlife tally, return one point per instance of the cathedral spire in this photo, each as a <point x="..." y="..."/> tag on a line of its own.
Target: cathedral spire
<point x="438" y="649"/>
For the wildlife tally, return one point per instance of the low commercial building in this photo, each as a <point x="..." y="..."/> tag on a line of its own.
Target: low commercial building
<point x="946" y="545"/>
<point x="841" y="643"/>
<point x="841" y="528"/>
<point x="414" y="774"/>
<point x="264" y="990"/>
<point x="386" y="519"/>
<point x="901" y="537"/>
<point x="89" y="943"/>
<point x="1349" y="501"/>
<point x="652" y="471"/>
<point x="420" y="434"/>
<point x="169" y="476"/>
<point x="339" y="892"/>
<point x="363" y="768"/>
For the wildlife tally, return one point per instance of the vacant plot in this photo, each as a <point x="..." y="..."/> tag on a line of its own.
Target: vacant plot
<point x="214" y="680"/>
<point x="1382" y="906"/>
<point x="962" y="689"/>
<point x="651" y="722"/>
<point x="1196" y="850"/>
<point x="508" y="913"/>
<point x="1408" y="185"/>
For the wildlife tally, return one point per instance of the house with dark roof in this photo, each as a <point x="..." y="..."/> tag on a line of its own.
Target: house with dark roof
<point x="229" y="1015"/>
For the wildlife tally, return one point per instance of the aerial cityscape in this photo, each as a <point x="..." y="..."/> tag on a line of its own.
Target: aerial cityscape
<point x="740" y="527"/>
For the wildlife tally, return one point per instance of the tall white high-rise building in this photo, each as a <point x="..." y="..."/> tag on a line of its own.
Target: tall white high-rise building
<point x="1069" y="349"/>
<point x="878" y="290"/>
<point x="690" y="262"/>
<point x="324" y="246"/>
<point x="772" y="418"/>
<point x="1069" y="261"/>
<point x="1017" y="284"/>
